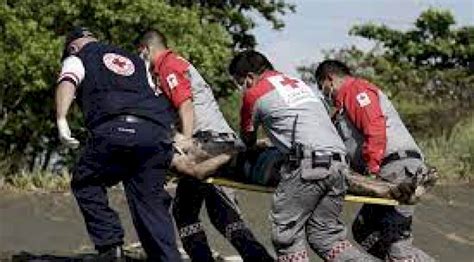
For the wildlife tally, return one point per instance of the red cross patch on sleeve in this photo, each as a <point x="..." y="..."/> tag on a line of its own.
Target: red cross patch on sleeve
<point x="172" y="81"/>
<point x="363" y="99"/>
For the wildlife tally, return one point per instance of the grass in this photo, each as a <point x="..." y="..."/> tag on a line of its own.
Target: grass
<point x="38" y="181"/>
<point x="453" y="154"/>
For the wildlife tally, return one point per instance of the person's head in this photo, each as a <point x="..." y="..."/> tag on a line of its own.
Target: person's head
<point x="330" y="76"/>
<point x="76" y="39"/>
<point x="246" y="67"/>
<point x="151" y="44"/>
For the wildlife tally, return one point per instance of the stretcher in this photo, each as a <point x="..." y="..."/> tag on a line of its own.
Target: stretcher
<point x="258" y="171"/>
<point x="265" y="189"/>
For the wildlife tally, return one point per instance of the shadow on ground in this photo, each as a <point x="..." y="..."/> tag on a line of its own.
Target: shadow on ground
<point x="29" y="257"/>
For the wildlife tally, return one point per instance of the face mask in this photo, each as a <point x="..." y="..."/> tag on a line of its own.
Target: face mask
<point x="143" y="56"/>
<point x="145" y="59"/>
<point x="147" y="63"/>
<point x="240" y="87"/>
<point x="328" y="92"/>
<point x="328" y="101"/>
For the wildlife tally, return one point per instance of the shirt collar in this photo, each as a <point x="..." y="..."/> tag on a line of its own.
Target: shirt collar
<point x="158" y="60"/>
<point x="348" y="81"/>
<point x="264" y="76"/>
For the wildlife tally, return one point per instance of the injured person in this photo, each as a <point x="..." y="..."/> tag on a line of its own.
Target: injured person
<point x="260" y="166"/>
<point x="192" y="158"/>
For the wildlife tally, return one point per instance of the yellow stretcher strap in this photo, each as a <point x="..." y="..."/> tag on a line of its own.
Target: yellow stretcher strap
<point x="263" y="189"/>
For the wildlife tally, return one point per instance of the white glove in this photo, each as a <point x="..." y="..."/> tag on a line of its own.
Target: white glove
<point x="65" y="134"/>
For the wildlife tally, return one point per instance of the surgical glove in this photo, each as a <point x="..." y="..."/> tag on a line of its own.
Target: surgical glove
<point x="65" y="134"/>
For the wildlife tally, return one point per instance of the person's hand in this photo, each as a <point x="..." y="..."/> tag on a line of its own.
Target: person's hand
<point x="184" y="143"/>
<point x="263" y="143"/>
<point x="65" y="134"/>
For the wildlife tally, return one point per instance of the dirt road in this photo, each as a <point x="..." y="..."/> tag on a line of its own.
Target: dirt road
<point x="50" y="224"/>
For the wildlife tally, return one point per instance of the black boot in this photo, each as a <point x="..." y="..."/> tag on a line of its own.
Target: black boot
<point x="111" y="254"/>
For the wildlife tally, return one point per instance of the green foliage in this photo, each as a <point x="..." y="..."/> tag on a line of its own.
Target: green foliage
<point x="238" y="17"/>
<point x="230" y="107"/>
<point x="453" y="154"/>
<point x="433" y="42"/>
<point x="31" y="44"/>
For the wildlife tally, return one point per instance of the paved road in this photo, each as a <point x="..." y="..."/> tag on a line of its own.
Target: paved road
<point x="50" y="224"/>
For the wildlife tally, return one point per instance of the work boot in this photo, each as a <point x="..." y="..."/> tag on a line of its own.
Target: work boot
<point x="111" y="254"/>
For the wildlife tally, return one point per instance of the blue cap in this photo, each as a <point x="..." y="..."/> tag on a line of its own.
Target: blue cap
<point x="76" y="33"/>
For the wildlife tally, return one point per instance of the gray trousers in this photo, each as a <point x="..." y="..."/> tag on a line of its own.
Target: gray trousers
<point x="309" y="202"/>
<point x="386" y="231"/>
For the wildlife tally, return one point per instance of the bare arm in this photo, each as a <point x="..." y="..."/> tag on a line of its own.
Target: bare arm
<point x="64" y="97"/>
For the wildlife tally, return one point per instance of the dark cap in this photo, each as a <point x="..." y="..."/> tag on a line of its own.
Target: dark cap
<point x="76" y="33"/>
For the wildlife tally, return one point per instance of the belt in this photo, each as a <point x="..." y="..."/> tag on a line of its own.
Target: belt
<point x="400" y="155"/>
<point x="130" y="118"/>
<point x="318" y="158"/>
<point x="211" y="135"/>
<point x="124" y="118"/>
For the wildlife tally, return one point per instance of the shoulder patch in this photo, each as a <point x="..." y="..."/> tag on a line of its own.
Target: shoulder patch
<point x="363" y="99"/>
<point x="172" y="81"/>
<point x="119" y="64"/>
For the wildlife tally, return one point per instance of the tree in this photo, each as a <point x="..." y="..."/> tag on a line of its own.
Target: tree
<point x="238" y="17"/>
<point x="31" y="43"/>
<point x="32" y="35"/>
<point x="427" y="70"/>
<point x="432" y="43"/>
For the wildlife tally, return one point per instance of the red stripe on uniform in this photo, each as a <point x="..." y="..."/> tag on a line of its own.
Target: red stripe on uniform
<point x="251" y="97"/>
<point x="69" y="74"/>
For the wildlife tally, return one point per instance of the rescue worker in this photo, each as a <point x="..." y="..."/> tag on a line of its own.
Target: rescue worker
<point x="380" y="146"/>
<point x="130" y="141"/>
<point x="201" y="119"/>
<point x="309" y="197"/>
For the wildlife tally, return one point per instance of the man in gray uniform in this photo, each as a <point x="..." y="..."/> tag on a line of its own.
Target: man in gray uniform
<point x="378" y="145"/>
<point x="309" y="197"/>
<point x="201" y="120"/>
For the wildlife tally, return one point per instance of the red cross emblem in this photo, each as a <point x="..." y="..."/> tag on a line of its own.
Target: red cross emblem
<point x="119" y="64"/>
<point x="289" y="82"/>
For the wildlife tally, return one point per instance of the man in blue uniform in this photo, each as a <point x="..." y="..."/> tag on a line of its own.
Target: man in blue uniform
<point x="130" y="141"/>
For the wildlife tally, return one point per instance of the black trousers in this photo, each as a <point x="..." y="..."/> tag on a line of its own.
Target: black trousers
<point x="138" y="155"/>
<point x="224" y="215"/>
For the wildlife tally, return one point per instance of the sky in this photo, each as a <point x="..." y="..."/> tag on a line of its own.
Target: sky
<point x="321" y="25"/>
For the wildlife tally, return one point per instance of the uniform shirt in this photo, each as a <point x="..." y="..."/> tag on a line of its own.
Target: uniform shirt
<point x="180" y="81"/>
<point x="374" y="127"/>
<point x="72" y="70"/>
<point x="276" y="101"/>
<point x="109" y="82"/>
